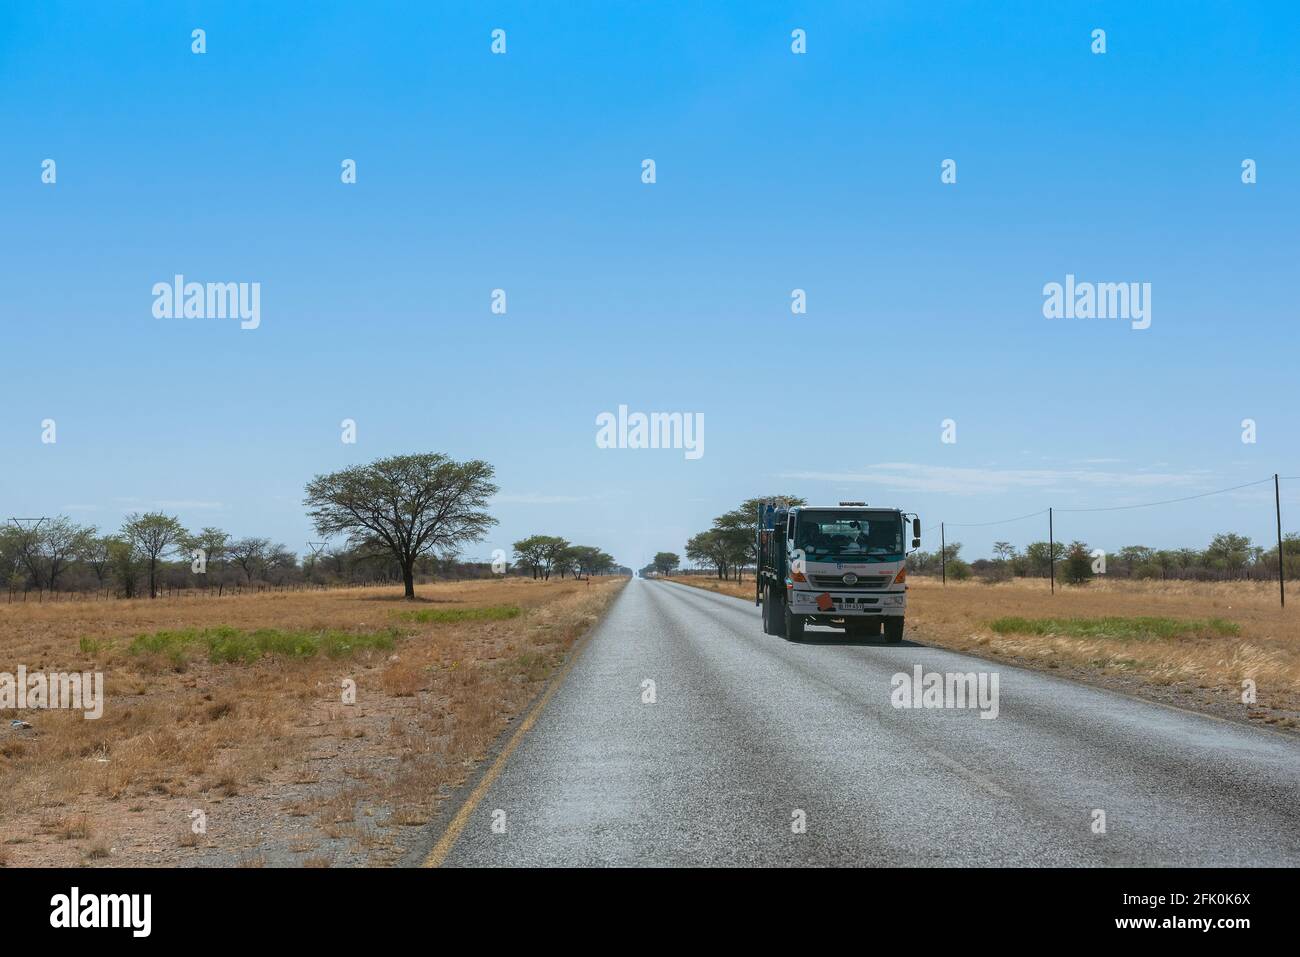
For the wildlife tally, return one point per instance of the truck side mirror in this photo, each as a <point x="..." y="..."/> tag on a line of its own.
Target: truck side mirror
<point x="916" y="532"/>
<point x="916" y="543"/>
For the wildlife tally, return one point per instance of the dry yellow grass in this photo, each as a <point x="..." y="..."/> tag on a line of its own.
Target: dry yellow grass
<point x="1204" y="670"/>
<point x="180" y="732"/>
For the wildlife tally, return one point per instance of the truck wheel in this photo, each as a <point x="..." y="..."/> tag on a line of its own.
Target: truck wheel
<point x="893" y="630"/>
<point x="768" y="626"/>
<point x="776" y="612"/>
<point x="793" y="626"/>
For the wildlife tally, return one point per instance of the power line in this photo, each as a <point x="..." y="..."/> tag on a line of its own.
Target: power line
<point x="1003" y="521"/>
<point x="1168" y="501"/>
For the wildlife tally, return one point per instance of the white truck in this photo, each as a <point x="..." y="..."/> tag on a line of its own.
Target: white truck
<point x="844" y="566"/>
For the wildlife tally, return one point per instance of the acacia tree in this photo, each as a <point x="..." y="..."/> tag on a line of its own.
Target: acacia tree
<point x="665" y="562"/>
<point x="153" y="535"/>
<point x="249" y="554"/>
<point x="124" y="562"/>
<point x="215" y="545"/>
<point x="591" y="560"/>
<point x="95" y="553"/>
<point x="529" y="552"/>
<point x="540" y="553"/>
<point x="409" y="505"/>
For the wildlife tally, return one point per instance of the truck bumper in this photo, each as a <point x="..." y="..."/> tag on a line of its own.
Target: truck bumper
<point x="848" y="604"/>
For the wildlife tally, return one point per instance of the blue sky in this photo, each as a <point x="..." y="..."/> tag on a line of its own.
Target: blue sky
<point x="774" y="172"/>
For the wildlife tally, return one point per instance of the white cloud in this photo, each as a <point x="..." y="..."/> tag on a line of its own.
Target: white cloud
<point x="169" y="503"/>
<point x="913" y="477"/>
<point x="532" y="498"/>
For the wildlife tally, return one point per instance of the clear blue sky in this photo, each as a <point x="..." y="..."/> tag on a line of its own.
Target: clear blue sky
<point x="775" y="172"/>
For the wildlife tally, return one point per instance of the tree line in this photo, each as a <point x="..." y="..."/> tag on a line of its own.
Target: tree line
<point x="140" y="557"/>
<point x="401" y="517"/>
<point x="1229" y="556"/>
<point x="542" y="555"/>
<point x="728" y="546"/>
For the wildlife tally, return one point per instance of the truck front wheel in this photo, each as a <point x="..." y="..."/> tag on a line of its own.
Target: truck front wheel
<point x="893" y="630"/>
<point x="793" y="625"/>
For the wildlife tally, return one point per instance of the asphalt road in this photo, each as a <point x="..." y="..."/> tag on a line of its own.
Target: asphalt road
<point x="748" y="729"/>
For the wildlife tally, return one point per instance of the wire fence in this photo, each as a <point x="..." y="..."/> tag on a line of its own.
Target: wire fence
<point x="44" y="595"/>
<point x="1052" y="541"/>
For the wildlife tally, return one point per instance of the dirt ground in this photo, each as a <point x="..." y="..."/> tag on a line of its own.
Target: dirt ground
<point x="265" y="763"/>
<point x="1198" y="673"/>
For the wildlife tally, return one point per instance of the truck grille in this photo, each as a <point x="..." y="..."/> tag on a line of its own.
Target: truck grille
<point x="836" y="582"/>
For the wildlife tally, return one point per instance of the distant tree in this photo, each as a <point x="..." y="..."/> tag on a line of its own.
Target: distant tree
<point x="249" y="554"/>
<point x="553" y="555"/>
<point x="1004" y="551"/>
<point x="920" y="561"/>
<point x="590" y="560"/>
<point x="153" y="535"/>
<point x="215" y="545"/>
<point x="408" y="504"/>
<point x="1133" y="557"/>
<point x="1077" y="568"/>
<point x="531" y="552"/>
<point x="1227" y="552"/>
<point x="124" y="561"/>
<point x="710" y="548"/>
<point x="666" y="562"/>
<point x="737" y="536"/>
<point x="566" y="561"/>
<point x="95" y="553"/>
<point x="278" y="561"/>
<point x="60" y="541"/>
<point x="12" y="568"/>
<point x="1039" y="558"/>
<point x="26" y="546"/>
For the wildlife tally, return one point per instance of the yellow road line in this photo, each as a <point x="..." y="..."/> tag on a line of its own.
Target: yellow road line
<point x="449" y="836"/>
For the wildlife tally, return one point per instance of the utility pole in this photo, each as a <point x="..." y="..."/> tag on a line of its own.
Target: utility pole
<point x="317" y="549"/>
<point x="1051" y="547"/>
<point x="29" y="527"/>
<point x="943" y="554"/>
<point x="1277" y="504"/>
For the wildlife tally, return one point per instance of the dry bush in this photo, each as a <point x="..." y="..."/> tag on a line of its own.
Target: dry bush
<point x="1266" y="648"/>
<point x="176" y="725"/>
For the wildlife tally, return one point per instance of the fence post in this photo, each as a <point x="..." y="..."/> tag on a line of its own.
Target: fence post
<point x="1051" y="547"/>
<point x="1281" y="565"/>
<point x="943" y="554"/>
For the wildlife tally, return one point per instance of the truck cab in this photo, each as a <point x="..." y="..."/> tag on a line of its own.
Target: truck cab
<point x="843" y="565"/>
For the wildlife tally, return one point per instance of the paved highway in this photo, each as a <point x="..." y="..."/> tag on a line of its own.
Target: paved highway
<point x="750" y="736"/>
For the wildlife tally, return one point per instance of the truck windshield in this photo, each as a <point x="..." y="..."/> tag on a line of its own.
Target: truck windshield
<point x="850" y="536"/>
